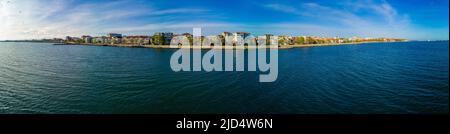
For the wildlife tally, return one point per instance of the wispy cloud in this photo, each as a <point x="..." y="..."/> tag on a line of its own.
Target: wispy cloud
<point x="25" y="19"/>
<point x="58" y="18"/>
<point x="177" y="10"/>
<point x="283" y="8"/>
<point x="384" y="19"/>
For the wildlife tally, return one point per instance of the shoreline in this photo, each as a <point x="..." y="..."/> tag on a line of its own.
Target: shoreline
<point x="223" y="47"/>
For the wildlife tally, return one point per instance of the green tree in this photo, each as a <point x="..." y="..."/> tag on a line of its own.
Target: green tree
<point x="191" y="40"/>
<point x="299" y="40"/>
<point x="320" y="41"/>
<point x="158" y="40"/>
<point x="310" y="40"/>
<point x="281" y="41"/>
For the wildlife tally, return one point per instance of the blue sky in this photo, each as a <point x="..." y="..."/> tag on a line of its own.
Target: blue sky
<point x="412" y="19"/>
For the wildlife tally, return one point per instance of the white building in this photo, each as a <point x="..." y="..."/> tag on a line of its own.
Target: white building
<point x="100" y="40"/>
<point x="86" y="38"/>
<point x="138" y="40"/>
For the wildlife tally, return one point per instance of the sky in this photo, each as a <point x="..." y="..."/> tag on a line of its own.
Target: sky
<point x="412" y="19"/>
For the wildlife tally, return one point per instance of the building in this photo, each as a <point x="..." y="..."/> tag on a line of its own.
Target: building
<point x="187" y="34"/>
<point x="73" y="39"/>
<point x="100" y="40"/>
<point x="167" y="37"/>
<point x="68" y="38"/>
<point x="225" y="34"/>
<point x="222" y="39"/>
<point x="216" y="40"/>
<point x="285" y="40"/>
<point x="183" y="39"/>
<point x="162" y="38"/>
<point x="86" y="38"/>
<point x="58" y="40"/>
<point x="111" y="35"/>
<point x="355" y="38"/>
<point x="114" y="38"/>
<point x="268" y="39"/>
<point x="241" y="35"/>
<point x="137" y="40"/>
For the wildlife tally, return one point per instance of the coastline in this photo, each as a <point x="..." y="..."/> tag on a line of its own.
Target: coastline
<point x="223" y="47"/>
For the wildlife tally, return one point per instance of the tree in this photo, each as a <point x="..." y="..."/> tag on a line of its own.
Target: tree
<point x="320" y="41"/>
<point x="310" y="40"/>
<point x="191" y="40"/>
<point x="307" y="40"/>
<point x="299" y="40"/>
<point x="158" y="40"/>
<point x="282" y="41"/>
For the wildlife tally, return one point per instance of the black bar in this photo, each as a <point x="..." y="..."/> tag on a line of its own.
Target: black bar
<point x="165" y="122"/>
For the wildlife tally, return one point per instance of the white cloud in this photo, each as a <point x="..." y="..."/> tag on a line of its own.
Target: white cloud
<point x="384" y="20"/>
<point x="283" y="8"/>
<point x="209" y="28"/>
<point x="177" y="10"/>
<point x="28" y="19"/>
<point x="25" y="19"/>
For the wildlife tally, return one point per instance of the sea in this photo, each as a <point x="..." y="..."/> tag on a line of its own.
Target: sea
<point x="373" y="78"/>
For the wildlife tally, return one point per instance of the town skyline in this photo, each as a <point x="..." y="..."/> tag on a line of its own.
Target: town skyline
<point x="167" y="39"/>
<point x="415" y="20"/>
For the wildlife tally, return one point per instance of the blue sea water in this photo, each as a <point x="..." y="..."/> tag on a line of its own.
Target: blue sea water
<point x="381" y="78"/>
